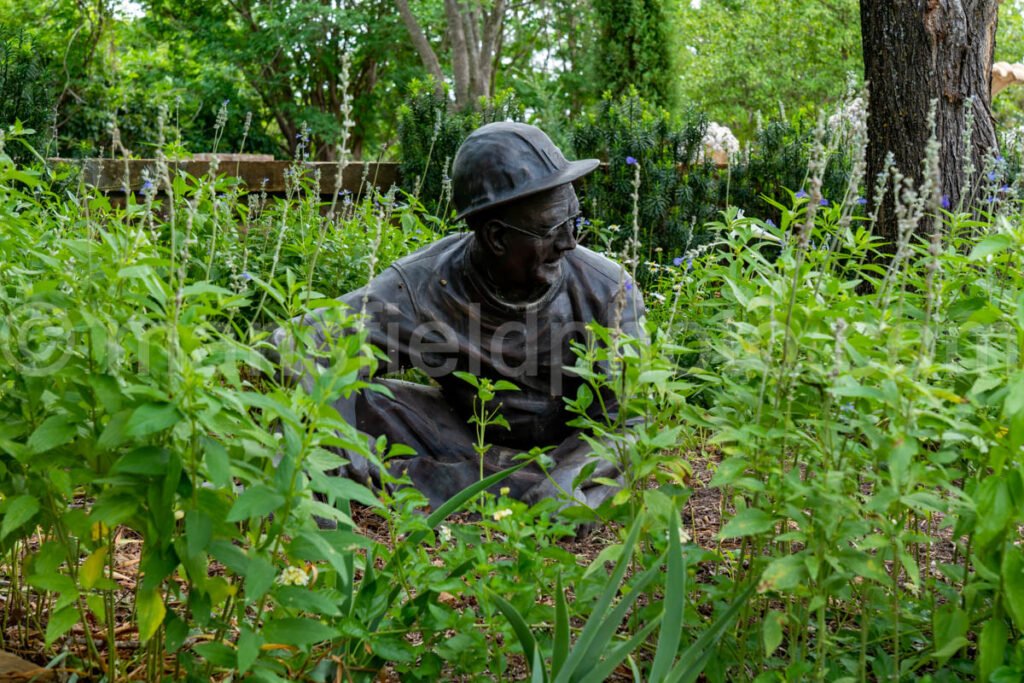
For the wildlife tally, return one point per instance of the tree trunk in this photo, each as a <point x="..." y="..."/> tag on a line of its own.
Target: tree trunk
<point x="917" y="51"/>
<point x="422" y="45"/>
<point x="475" y="35"/>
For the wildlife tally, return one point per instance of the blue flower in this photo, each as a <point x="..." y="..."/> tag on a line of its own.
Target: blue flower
<point x="802" y="195"/>
<point x="991" y="175"/>
<point x="147" y="187"/>
<point x="945" y="201"/>
<point x="629" y="285"/>
<point x="677" y="261"/>
<point x="246" y="276"/>
<point x="770" y="223"/>
<point x="689" y="264"/>
<point x="823" y="202"/>
<point x="999" y="158"/>
<point x="861" y="201"/>
<point x="1004" y="188"/>
<point x="631" y="161"/>
<point x="990" y="200"/>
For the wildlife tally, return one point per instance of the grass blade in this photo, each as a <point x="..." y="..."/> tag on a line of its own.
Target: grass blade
<point x="560" y="648"/>
<point x="696" y="656"/>
<point x="605" y="634"/>
<point x="672" y="613"/>
<point x="519" y="625"/>
<point x="593" y="624"/>
<point x="606" y="666"/>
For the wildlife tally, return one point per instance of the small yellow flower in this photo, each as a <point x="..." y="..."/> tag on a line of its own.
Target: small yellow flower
<point x="293" y="576"/>
<point x="502" y="514"/>
<point x="504" y="490"/>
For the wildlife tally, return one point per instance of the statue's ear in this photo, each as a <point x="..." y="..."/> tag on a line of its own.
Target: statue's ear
<point x="494" y="237"/>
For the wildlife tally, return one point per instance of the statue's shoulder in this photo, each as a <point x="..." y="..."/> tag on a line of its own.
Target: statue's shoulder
<point x="432" y="256"/>
<point x="595" y="270"/>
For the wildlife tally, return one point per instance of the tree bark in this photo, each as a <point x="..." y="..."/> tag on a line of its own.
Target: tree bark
<point x="916" y="52"/>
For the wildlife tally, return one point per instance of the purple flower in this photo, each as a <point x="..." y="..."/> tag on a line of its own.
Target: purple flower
<point x="802" y="195"/>
<point x="991" y="175"/>
<point x="689" y="264"/>
<point x="147" y="187"/>
<point x="990" y="200"/>
<point x="945" y="201"/>
<point x="629" y="285"/>
<point x="999" y="158"/>
<point x="770" y="223"/>
<point x="631" y="161"/>
<point x="823" y="202"/>
<point x="1004" y="188"/>
<point x="860" y="201"/>
<point x="677" y="261"/>
<point x="246" y="276"/>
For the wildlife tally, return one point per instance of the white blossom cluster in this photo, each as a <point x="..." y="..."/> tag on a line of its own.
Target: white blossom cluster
<point x="850" y="116"/>
<point x="719" y="140"/>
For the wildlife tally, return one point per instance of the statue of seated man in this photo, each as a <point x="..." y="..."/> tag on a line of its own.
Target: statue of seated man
<point x="504" y="301"/>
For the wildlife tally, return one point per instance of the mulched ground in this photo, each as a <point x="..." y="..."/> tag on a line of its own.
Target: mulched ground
<point x="22" y="636"/>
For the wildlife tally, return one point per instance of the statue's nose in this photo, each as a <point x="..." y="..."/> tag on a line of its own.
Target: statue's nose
<point x="566" y="238"/>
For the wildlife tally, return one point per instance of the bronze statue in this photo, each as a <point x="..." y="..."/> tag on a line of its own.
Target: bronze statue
<point x="503" y="301"/>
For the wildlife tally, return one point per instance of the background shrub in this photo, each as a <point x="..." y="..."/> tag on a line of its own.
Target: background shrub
<point x="24" y="92"/>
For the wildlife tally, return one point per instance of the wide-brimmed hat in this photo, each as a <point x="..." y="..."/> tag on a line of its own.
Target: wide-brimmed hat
<point x="505" y="161"/>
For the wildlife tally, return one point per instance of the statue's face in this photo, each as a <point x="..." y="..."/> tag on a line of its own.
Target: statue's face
<point x="537" y="232"/>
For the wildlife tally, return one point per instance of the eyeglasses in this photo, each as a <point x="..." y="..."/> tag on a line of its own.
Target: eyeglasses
<point x="574" y="222"/>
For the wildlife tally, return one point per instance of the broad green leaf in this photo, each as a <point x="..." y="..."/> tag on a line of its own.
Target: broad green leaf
<point x="297" y="631"/>
<point x="256" y="501"/>
<point x="198" y="531"/>
<point x="782" y="574"/>
<point x="771" y="631"/>
<point x="993" y="244"/>
<point x="217" y="654"/>
<point x="656" y="377"/>
<point x="248" y="648"/>
<point x="150" y="610"/>
<point x="748" y="522"/>
<point x="150" y="418"/>
<point x="60" y="622"/>
<point x="259" y="577"/>
<point x="54" y="431"/>
<point x="19" y="510"/>
<point x="1013" y="404"/>
<point x="1013" y="583"/>
<point x="992" y="646"/>
<point x="306" y="600"/>
<point x="950" y="626"/>
<point x="92" y="569"/>
<point x="342" y="488"/>
<point x="218" y="464"/>
<point x="147" y="461"/>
